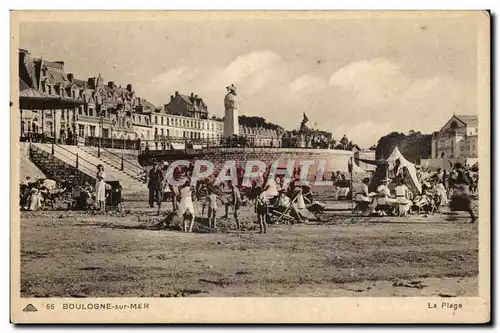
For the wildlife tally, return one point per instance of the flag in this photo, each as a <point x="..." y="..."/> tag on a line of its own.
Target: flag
<point x="305" y="118"/>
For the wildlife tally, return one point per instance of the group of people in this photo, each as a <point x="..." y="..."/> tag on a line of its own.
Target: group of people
<point x="42" y="193"/>
<point x="39" y="193"/>
<point x="206" y="197"/>
<point x="182" y="196"/>
<point x="451" y="188"/>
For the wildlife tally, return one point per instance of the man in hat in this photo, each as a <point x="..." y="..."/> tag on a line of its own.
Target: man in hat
<point x="155" y="186"/>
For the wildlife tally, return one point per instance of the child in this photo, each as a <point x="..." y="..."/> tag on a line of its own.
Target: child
<point x="186" y="206"/>
<point x="235" y="202"/>
<point x="261" y="207"/>
<point x="212" y="208"/>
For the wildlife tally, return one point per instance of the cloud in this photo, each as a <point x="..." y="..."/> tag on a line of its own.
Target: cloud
<point x="248" y="69"/>
<point x="364" y="99"/>
<point x="371" y="81"/>
<point x="160" y="87"/>
<point x="307" y="83"/>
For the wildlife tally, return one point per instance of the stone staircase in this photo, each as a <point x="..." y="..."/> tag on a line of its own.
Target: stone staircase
<point x="115" y="161"/>
<point x="56" y="169"/>
<point x="132" y="188"/>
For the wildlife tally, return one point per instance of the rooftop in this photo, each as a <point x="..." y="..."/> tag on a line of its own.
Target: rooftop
<point x="470" y="120"/>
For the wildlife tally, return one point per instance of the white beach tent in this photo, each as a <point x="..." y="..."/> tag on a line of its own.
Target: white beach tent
<point x="412" y="170"/>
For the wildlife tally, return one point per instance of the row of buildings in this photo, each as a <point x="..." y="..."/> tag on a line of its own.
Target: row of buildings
<point x="109" y="111"/>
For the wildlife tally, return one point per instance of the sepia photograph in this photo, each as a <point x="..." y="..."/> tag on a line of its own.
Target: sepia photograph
<point x="328" y="158"/>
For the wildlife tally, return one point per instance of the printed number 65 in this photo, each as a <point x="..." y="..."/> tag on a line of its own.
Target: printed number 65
<point x="50" y="306"/>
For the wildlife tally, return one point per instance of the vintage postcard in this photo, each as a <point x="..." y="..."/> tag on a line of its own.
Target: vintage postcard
<point x="250" y="167"/>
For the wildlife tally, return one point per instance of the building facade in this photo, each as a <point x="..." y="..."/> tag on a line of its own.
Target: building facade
<point x="108" y="111"/>
<point x="111" y="113"/>
<point x="176" y="128"/>
<point x="456" y="141"/>
<point x="261" y="137"/>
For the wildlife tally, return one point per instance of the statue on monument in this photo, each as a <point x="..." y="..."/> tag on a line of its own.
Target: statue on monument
<point x="231" y="126"/>
<point x="303" y="126"/>
<point x="230" y="101"/>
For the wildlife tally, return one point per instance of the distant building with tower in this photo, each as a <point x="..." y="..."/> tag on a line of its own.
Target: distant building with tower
<point x="456" y="141"/>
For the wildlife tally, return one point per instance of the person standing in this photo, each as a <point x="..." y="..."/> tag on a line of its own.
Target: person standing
<point x="234" y="202"/>
<point x="186" y="207"/>
<point x="155" y="186"/>
<point x="460" y="198"/>
<point x="212" y="208"/>
<point x="100" y="189"/>
<point x="262" y="212"/>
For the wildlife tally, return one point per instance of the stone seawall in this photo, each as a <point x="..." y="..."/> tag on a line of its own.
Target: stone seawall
<point x="336" y="160"/>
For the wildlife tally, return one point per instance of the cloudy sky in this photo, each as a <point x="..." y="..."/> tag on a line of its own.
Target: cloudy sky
<point x="361" y="77"/>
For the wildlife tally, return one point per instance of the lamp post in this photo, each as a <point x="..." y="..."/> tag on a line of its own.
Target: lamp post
<point x="101" y="124"/>
<point x="53" y="129"/>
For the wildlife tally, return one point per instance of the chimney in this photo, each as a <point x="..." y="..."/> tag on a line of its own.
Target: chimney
<point x="71" y="77"/>
<point x="192" y="95"/>
<point x="23" y="54"/>
<point x="111" y="84"/>
<point x="171" y="98"/>
<point x="195" y="96"/>
<point x="176" y="93"/>
<point x="91" y="82"/>
<point x="129" y="87"/>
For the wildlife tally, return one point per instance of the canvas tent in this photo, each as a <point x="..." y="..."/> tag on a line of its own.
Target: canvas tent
<point x="386" y="168"/>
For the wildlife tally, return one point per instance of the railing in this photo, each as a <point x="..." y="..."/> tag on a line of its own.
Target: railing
<point x="124" y="165"/>
<point x="61" y="165"/>
<point x="79" y="160"/>
<point x="112" y="143"/>
<point x="168" y="143"/>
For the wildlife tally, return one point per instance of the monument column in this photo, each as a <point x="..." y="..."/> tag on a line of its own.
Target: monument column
<point x="231" y="125"/>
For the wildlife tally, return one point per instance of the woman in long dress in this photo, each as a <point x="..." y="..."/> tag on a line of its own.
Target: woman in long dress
<point x="100" y="188"/>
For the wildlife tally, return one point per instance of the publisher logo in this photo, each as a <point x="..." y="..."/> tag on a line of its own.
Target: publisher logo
<point x="30" y="308"/>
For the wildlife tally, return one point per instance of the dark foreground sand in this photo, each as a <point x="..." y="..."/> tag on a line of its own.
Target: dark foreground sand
<point x="71" y="254"/>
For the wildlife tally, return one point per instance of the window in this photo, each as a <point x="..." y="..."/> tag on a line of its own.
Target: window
<point x="156" y="120"/>
<point x="91" y="112"/>
<point x="105" y="133"/>
<point x="476" y="130"/>
<point x="168" y="121"/>
<point x="92" y="130"/>
<point x="80" y="110"/>
<point x="49" y="87"/>
<point x="168" y="132"/>
<point x="161" y="120"/>
<point x="156" y="131"/>
<point x="213" y="127"/>
<point x="162" y="133"/>
<point x="203" y="135"/>
<point x="81" y="130"/>
<point x="147" y="122"/>
<point x="73" y="94"/>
